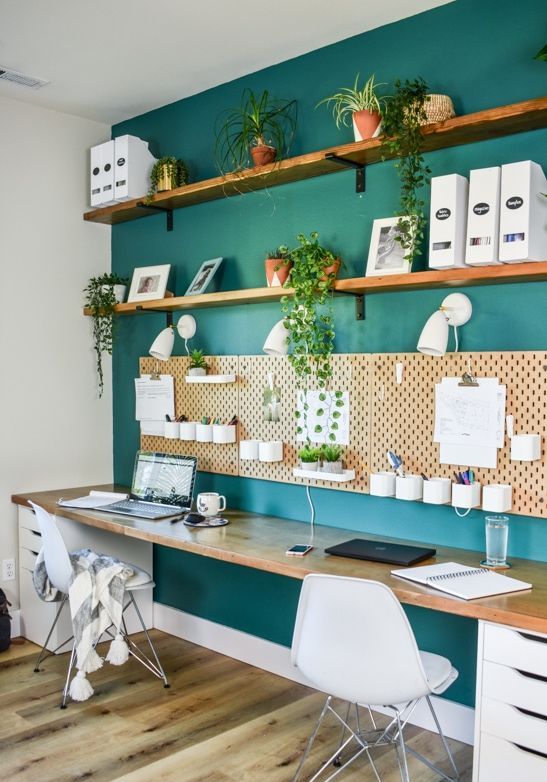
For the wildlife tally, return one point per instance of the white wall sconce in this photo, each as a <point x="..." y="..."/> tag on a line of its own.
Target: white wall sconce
<point x="276" y="342"/>
<point x="162" y="347"/>
<point x="455" y="310"/>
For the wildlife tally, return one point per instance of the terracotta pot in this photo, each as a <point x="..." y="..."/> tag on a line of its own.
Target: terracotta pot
<point x="277" y="271"/>
<point x="262" y="155"/>
<point x="332" y="269"/>
<point x="366" y="124"/>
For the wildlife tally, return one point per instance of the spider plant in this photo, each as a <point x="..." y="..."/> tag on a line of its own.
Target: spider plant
<point x="351" y="99"/>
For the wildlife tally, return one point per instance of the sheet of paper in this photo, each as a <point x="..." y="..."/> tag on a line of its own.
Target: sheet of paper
<point x="94" y="500"/>
<point x="154" y="399"/>
<point x="328" y="412"/>
<point x="468" y="455"/>
<point x="470" y="416"/>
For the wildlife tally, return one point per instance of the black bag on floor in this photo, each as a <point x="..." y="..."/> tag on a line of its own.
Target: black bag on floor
<point x="5" y="622"/>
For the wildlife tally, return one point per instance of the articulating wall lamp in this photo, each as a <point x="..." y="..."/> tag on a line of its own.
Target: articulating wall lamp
<point x="455" y="310"/>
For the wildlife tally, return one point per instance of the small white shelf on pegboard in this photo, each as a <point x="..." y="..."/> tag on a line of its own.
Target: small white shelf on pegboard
<point x="211" y="378"/>
<point x="318" y="475"/>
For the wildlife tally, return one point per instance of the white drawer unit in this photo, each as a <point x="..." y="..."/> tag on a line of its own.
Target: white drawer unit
<point x="511" y="705"/>
<point x="37" y="615"/>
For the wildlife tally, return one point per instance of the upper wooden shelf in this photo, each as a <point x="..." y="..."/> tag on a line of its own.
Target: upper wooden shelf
<point x="482" y="125"/>
<point x="448" y="278"/>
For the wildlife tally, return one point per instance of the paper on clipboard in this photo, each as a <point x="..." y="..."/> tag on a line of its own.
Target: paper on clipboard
<point x="154" y="399"/>
<point x="473" y="416"/>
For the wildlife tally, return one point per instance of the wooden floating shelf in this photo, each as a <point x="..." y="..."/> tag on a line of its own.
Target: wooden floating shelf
<point x="479" y="126"/>
<point x="319" y="475"/>
<point x="448" y="278"/>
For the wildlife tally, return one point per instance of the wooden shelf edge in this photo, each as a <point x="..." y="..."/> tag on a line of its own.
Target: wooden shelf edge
<point x="468" y="128"/>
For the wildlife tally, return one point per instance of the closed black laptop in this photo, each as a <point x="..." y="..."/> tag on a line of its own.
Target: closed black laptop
<point x="381" y="551"/>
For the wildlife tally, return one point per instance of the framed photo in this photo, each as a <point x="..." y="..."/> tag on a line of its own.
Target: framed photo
<point x="149" y="282"/>
<point x="386" y="254"/>
<point x="204" y="276"/>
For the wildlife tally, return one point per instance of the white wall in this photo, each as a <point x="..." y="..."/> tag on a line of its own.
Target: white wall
<point x="55" y="432"/>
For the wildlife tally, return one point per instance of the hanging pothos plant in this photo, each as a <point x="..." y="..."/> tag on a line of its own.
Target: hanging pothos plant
<point x="101" y="299"/>
<point x="309" y="321"/>
<point x="403" y="116"/>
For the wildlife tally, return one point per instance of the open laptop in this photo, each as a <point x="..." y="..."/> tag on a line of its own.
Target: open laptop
<point x="381" y="551"/>
<point x="163" y="486"/>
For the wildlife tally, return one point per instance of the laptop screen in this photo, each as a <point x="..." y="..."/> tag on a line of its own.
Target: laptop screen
<point x="164" y="478"/>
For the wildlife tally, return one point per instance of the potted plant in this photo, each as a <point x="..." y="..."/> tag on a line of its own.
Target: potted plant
<point x="198" y="365"/>
<point x="363" y="107"/>
<point x="102" y="295"/>
<point x="167" y="173"/>
<point x="309" y="457"/>
<point x="404" y="115"/>
<point x="278" y="265"/>
<point x="260" y="126"/>
<point x="331" y="456"/>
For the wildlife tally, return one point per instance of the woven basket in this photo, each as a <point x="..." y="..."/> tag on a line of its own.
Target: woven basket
<point x="438" y="108"/>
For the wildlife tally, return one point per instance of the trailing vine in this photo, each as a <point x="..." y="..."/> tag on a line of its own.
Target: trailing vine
<point x="101" y="301"/>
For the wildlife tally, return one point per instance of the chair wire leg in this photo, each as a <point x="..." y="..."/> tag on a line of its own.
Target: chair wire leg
<point x="401" y="751"/>
<point x="443" y="739"/>
<point x="45" y="651"/>
<point x="312" y="739"/>
<point x="70" y="666"/>
<point x="337" y="762"/>
<point x="150" y="644"/>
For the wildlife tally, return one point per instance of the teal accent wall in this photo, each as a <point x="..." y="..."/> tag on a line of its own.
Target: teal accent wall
<point x="481" y="54"/>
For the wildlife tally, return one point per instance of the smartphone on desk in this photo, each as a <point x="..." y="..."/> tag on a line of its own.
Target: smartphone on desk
<point x="299" y="550"/>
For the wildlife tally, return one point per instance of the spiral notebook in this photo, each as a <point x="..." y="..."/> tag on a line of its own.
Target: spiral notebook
<point x="462" y="581"/>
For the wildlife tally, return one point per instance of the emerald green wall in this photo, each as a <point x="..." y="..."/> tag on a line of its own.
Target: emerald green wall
<point x="481" y="54"/>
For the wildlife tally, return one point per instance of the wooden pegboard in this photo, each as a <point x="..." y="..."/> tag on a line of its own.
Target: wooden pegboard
<point x="196" y="400"/>
<point x="403" y="416"/>
<point x="351" y="372"/>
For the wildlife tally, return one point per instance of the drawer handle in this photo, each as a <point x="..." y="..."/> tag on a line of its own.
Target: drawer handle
<point x="531" y="751"/>
<point x="531" y="713"/>
<point x="528" y="675"/>
<point x="530" y="637"/>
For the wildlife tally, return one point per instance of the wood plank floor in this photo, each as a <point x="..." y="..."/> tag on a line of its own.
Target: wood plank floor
<point x="220" y="721"/>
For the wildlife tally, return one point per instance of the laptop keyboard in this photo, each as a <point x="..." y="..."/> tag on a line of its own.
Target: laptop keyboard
<point x="144" y="509"/>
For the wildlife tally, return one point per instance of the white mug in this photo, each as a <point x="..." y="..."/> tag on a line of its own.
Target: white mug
<point x="211" y="503"/>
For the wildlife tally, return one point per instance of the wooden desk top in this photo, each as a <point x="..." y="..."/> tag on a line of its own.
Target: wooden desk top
<point x="260" y="542"/>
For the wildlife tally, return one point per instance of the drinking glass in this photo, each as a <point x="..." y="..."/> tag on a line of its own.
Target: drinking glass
<point x="497" y="532"/>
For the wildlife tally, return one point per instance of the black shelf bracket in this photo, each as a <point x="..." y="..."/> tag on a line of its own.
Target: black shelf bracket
<point x="168" y="314"/>
<point x="359" y="303"/>
<point x="168" y="212"/>
<point x="360" y="169"/>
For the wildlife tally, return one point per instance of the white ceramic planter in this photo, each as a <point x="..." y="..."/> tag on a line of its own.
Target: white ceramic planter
<point x="466" y="496"/>
<point x="248" y="450"/>
<point x="382" y="484"/>
<point x="188" y="430"/>
<point x="334" y="468"/>
<point x="197" y="372"/>
<point x="271" y="451"/>
<point x="437" y="491"/>
<point x="525" y="447"/>
<point x="497" y="497"/>
<point x="224" y="434"/>
<point x="309" y="466"/>
<point x="204" y="433"/>
<point x="171" y="430"/>
<point x="409" y="487"/>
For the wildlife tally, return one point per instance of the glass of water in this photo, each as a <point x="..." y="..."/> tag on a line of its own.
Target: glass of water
<point x="497" y="533"/>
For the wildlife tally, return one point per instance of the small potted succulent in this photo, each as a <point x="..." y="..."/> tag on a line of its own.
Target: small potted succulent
<point x="331" y="456"/>
<point x="198" y="366"/>
<point x="362" y="107"/>
<point x="102" y="295"/>
<point x="278" y="265"/>
<point x="309" y="457"/>
<point x="167" y="173"/>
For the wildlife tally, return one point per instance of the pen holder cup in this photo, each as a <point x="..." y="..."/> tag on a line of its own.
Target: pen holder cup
<point x="496" y="497"/>
<point x="271" y="451"/>
<point x="409" y="488"/>
<point x="382" y="484"/>
<point x="466" y="496"/>
<point x="248" y="450"/>
<point x="188" y="430"/>
<point x="204" y="433"/>
<point x="171" y="429"/>
<point x="437" y="491"/>
<point x="525" y="447"/>
<point x="222" y="433"/>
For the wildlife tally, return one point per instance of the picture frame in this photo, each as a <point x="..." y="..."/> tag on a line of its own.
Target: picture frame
<point x="149" y="282"/>
<point x="386" y="255"/>
<point x="203" y="277"/>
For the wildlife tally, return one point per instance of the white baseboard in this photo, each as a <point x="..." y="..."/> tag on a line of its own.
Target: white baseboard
<point x="15" y="623"/>
<point x="457" y="720"/>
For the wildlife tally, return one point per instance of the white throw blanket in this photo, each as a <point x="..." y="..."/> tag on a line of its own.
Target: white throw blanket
<point x="96" y="597"/>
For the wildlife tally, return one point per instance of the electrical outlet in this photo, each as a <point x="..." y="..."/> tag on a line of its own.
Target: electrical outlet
<point x="8" y="569"/>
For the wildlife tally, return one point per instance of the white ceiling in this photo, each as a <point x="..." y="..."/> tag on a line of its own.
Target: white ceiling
<point x="109" y="60"/>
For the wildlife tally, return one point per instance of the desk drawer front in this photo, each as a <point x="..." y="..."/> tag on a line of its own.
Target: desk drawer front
<point x="27" y="519"/>
<point x="508" y="722"/>
<point x="503" y="761"/>
<point x="524" y="651"/>
<point x="28" y="539"/>
<point x="27" y="559"/>
<point x="517" y="689"/>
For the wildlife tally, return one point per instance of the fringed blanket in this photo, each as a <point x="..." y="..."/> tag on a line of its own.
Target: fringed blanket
<point x="96" y="597"/>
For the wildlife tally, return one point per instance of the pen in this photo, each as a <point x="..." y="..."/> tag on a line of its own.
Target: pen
<point x="471" y="475"/>
<point x="458" y="477"/>
<point x="465" y="478"/>
<point x="424" y="477"/>
<point x="167" y="417"/>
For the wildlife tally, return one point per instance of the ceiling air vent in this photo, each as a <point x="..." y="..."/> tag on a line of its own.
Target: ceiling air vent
<point x="7" y="74"/>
